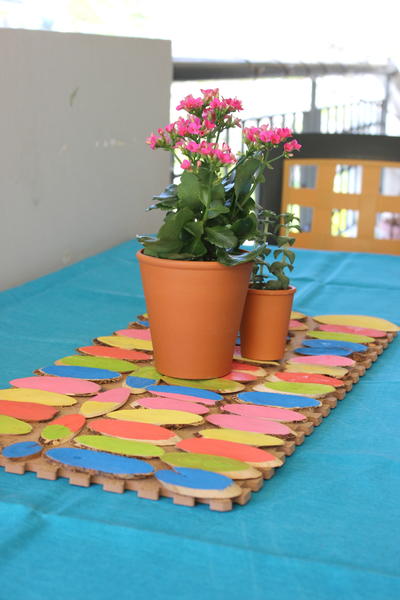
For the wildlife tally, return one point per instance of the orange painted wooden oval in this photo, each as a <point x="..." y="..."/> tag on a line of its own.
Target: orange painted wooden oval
<point x="131" y="430"/>
<point x="27" y="411"/>
<point x="110" y="352"/>
<point x="308" y="378"/>
<point x="228" y="449"/>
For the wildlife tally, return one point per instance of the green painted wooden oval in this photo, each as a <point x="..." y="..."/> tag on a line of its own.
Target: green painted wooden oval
<point x="304" y="389"/>
<point x="340" y="337"/>
<point x="127" y="343"/>
<point x="51" y="433"/>
<point x="13" y="426"/>
<point x="242" y="437"/>
<point x="119" y="446"/>
<point x="98" y="362"/>
<point x="208" y="462"/>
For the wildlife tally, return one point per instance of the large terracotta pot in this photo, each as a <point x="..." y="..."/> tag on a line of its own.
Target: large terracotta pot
<point x="265" y="323"/>
<point x="194" y="309"/>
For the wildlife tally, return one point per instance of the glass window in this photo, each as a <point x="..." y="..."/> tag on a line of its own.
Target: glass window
<point x="387" y="226"/>
<point x="304" y="213"/>
<point x="344" y="222"/>
<point x="302" y="176"/>
<point x="348" y="179"/>
<point x="390" y="181"/>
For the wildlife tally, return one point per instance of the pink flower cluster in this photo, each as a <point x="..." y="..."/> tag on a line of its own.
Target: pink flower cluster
<point x="260" y="137"/>
<point x="209" y="102"/>
<point x="221" y="155"/>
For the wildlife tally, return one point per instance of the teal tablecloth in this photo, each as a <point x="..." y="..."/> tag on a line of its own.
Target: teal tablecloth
<point x="325" y="527"/>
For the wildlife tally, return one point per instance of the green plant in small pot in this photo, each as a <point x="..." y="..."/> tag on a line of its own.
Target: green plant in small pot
<point x="194" y="273"/>
<point x="265" y="321"/>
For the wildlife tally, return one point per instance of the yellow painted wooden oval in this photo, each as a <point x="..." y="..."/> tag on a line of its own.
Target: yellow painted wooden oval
<point x="297" y="316"/>
<point x="157" y="416"/>
<point x="357" y="321"/>
<point x="242" y="437"/>
<point x="338" y="372"/>
<point x="335" y="336"/>
<point x="37" y="397"/>
<point x="127" y="343"/>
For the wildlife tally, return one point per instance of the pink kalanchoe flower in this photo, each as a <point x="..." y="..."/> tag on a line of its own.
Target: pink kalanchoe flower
<point x="192" y="146"/>
<point x="189" y="103"/>
<point x="216" y="103"/>
<point x="152" y="141"/>
<point x="208" y="124"/>
<point x="186" y="164"/>
<point x="170" y="127"/>
<point x="292" y="145"/>
<point x="182" y="126"/>
<point x="210" y="93"/>
<point x="194" y="126"/>
<point x="206" y="148"/>
<point x="233" y="104"/>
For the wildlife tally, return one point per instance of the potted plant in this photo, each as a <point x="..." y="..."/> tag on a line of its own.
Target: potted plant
<point x="265" y="322"/>
<point x="195" y="275"/>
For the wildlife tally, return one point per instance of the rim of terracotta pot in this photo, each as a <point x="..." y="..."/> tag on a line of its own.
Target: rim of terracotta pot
<point x="185" y="264"/>
<point x="291" y="290"/>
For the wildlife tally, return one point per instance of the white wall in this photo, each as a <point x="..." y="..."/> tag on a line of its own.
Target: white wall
<point x="75" y="172"/>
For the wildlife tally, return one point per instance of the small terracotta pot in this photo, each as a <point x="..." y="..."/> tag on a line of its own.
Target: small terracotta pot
<point x="265" y="323"/>
<point x="194" y="308"/>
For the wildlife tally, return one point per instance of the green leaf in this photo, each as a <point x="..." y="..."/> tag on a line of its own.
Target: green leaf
<point x="244" y="175"/>
<point x="161" y="248"/>
<point x="230" y="260"/>
<point x="196" y="248"/>
<point x="290" y="255"/>
<point x="221" y="236"/>
<point x="174" y="224"/>
<point x="169" y="192"/>
<point x="189" y="190"/>
<point x="245" y="228"/>
<point x="195" y="228"/>
<point x="217" y="208"/>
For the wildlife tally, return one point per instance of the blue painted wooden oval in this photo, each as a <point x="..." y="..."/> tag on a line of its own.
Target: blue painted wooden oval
<point x="353" y="346"/>
<point x="100" y="461"/>
<point x="322" y="351"/>
<point x="88" y="373"/>
<point x="181" y="390"/>
<point x="194" y="478"/>
<point x="143" y="322"/>
<point x="21" y="450"/>
<point x="139" y="382"/>
<point x="282" y="400"/>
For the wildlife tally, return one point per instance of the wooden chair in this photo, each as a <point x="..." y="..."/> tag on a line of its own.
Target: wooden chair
<point x="345" y="190"/>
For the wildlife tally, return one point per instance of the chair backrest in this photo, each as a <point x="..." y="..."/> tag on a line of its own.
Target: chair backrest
<point x="346" y="191"/>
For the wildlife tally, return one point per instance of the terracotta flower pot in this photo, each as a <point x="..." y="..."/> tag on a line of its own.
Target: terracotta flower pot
<point x="265" y="323"/>
<point x="194" y="309"/>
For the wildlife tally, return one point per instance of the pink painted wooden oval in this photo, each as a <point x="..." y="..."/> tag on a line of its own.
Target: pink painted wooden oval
<point x="137" y="334"/>
<point x="249" y="424"/>
<point x="308" y="378"/>
<point x="171" y="404"/>
<point x="118" y="395"/>
<point x="61" y="385"/>
<point x="375" y="333"/>
<point x="241" y="377"/>
<point x="264" y="412"/>
<point x="329" y="360"/>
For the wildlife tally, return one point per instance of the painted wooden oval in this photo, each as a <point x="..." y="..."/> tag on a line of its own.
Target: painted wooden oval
<point x="295" y="325"/>
<point x="231" y="467"/>
<point x="126" y="343"/>
<point x="281" y="400"/>
<point x="103" y="462"/>
<point x="340" y="337"/>
<point x="171" y="404"/>
<point x="242" y="437"/>
<point x="80" y="373"/>
<point x="338" y="372"/>
<point x="249" y="424"/>
<point x="357" y="321"/>
<point x="374" y="333"/>
<point x="22" y="450"/>
<point x="306" y="378"/>
<point x="314" y="390"/>
<point x="248" y="368"/>
<point x="196" y="482"/>
<point x="222" y="386"/>
<point x="240" y="376"/>
<point x="104" y="402"/>
<point x="264" y="412"/>
<point x="157" y="416"/>
<point x="138" y="385"/>
<point x="237" y="355"/>
<point x="118" y="446"/>
<point x="98" y="362"/>
<point x="60" y="385"/>
<point x="190" y="394"/>
<point x="327" y="360"/>
<point x="12" y="426"/>
<point x="249" y="454"/>
<point x="38" y="397"/>
<point x="138" y="334"/>
<point x="27" y="411"/>
<point x="130" y="430"/>
<point x="108" y="351"/>
<point x="334" y="344"/>
<point x="297" y="315"/>
<point x="63" y="428"/>
<point x="322" y="351"/>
